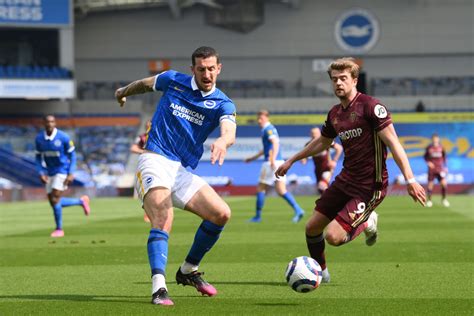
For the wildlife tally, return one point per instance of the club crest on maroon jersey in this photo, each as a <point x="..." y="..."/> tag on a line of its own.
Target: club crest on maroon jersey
<point x="353" y="116"/>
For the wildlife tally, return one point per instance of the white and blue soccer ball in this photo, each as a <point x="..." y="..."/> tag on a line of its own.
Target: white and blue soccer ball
<point x="303" y="274"/>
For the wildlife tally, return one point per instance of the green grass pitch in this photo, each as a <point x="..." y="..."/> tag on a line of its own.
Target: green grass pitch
<point x="421" y="264"/>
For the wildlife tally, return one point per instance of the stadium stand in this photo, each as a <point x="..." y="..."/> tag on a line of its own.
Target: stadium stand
<point x="406" y="86"/>
<point x="25" y="72"/>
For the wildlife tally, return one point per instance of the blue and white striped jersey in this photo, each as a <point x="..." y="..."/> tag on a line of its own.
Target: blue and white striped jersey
<point x="184" y="117"/>
<point x="269" y="132"/>
<point x="57" y="152"/>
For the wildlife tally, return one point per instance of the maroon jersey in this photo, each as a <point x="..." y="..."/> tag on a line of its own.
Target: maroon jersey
<point x="321" y="160"/>
<point x="364" y="152"/>
<point x="437" y="156"/>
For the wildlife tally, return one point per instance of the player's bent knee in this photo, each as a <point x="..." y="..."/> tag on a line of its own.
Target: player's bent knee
<point x="54" y="200"/>
<point x="222" y="217"/>
<point x="334" y="239"/>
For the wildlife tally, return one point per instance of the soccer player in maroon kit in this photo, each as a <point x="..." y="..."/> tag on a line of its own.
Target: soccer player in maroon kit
<point x="365" y="128"/>
<point x="324" y="164"/>
<point x="435" y="158"/>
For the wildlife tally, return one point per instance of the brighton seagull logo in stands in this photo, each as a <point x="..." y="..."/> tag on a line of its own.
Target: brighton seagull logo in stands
<point x="357" y="31"/>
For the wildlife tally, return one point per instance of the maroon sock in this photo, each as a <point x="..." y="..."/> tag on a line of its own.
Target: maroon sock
<point x="443" y="192"/>
<point x="316" y="249"/>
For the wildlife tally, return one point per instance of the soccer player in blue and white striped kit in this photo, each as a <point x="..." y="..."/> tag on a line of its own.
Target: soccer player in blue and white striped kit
<point x="190" y="108"/>
<point x="57" y="151"/>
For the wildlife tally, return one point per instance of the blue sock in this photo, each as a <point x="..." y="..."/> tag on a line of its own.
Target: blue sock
<point x="65" y="201"/>
<point x="206" y="236"/>
<point x="157" y="251"/>
<point x="58" y="215"/>
<point x="260" y="202"/>
<point x="291" y="200"/>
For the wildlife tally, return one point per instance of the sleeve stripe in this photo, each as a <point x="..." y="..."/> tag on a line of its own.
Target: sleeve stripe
<point x="227" y="118"/>
<point x="71" y="149"/>
<point x="154" y="82"/>
<point x="156" y="78"/>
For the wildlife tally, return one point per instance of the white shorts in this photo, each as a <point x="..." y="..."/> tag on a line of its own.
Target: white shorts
<point x="326" y="176"/>
<point x="158" y="171"/>
<point x="267" y="174"/>
<point x="56" y="182"/>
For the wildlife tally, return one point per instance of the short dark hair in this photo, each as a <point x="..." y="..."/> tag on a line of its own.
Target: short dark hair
<point x="45" y="118"/>
<point x="204" y="52"/>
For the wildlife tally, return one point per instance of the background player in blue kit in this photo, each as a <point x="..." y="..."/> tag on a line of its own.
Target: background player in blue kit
<point x="273" y="159"/>
<point x="189" y="110"/>
<point x="56" y="150"/>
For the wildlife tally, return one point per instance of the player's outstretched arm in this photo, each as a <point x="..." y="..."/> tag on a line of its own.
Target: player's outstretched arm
<point x="390" y="138"/>
<point x="227" y="139"/>
<point x="252" y="158"/>
<point x="136" y="87"/>
<point x="313" y="148"/>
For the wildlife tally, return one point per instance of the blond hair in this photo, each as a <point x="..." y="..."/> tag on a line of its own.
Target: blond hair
<point x="344" y="63"/>
<point x="264" y="113"/>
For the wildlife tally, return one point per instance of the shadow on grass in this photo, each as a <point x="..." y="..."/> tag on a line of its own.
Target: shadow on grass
<point x="80" y="298"/>
<point x="276" y="304"/>
<point x="237" y="283"/>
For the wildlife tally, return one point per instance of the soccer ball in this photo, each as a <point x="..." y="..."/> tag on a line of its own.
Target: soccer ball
<point x="303" y="274"/>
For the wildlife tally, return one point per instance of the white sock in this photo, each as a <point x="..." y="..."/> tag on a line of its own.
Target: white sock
<point x="157" y="282"/>
<point x="187" y="267"/>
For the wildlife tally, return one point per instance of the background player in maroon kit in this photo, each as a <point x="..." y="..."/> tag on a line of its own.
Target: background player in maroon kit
<point x="435" y="158"/>
<point x="138" y="148"/>
<point x="365" y="128"/>
<point x="324" y="164"/>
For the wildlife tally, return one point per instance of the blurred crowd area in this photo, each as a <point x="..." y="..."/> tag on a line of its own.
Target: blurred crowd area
<point x="102" y="151"/>
<point x="405" y="86"/>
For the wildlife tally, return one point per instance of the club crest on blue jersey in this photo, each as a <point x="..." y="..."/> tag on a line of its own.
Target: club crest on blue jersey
<point x="210" y="104"/>
<point x="57" y="143"/>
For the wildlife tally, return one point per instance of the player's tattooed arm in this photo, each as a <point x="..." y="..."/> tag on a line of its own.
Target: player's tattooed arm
<point x="137" y="87"/>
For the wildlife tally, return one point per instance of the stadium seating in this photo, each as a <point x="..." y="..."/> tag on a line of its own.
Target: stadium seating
<point x="28" y="72"/>
<point x="407" y="86"/>
<point x="437" y="86"/>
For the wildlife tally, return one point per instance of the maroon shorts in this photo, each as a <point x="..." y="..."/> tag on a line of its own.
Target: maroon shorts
<point x="348" y="205"/>
<point x="436" y="174"/>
